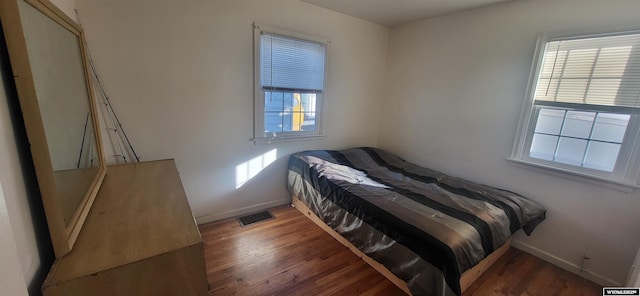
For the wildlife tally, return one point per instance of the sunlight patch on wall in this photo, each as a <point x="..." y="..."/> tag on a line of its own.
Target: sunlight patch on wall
<point x="249" y="169"/>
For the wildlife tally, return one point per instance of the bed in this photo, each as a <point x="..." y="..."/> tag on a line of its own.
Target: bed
<point x="430" y="233"/>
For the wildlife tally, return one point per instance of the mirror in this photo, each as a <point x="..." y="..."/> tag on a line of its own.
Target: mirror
<point x="64" y="104"/>
<point x="47" y="52"/>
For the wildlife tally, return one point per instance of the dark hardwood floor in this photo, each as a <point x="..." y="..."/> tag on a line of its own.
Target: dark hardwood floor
<point x="289" y="255"/>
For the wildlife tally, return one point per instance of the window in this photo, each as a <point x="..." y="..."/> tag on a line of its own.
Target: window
<point x="290" y="84"/>
<point x="582" y="109"/>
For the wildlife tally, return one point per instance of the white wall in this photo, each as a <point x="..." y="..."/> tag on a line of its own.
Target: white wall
<point x="15" y="195"/>
<point x="455" y="87"/>
<point x="634" y="276"/>
<point x="11" y="279"/>
<point x="180" y="75"/>
<point x="67" y="6"/>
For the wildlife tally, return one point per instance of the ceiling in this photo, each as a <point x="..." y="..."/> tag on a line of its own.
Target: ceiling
<point x="395" y="12"/>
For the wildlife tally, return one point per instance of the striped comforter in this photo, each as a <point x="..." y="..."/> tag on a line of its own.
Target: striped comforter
<point x="422" y="225"/>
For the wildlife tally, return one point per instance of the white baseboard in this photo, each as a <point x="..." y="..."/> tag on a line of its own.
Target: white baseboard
<point x="241" y="211"/>
<point x="566" y="265"/>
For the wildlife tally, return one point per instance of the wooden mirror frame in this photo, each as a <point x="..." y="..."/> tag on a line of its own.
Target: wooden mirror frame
<point x="63" y="235"/>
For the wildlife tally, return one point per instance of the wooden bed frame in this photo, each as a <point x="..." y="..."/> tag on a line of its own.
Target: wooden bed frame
<point x="468" y="277"/>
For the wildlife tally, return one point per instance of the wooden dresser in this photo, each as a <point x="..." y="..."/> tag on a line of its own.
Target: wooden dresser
<point x="139" y="238"/>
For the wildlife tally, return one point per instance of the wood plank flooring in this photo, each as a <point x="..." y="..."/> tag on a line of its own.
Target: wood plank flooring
<point x="289" y="255"/>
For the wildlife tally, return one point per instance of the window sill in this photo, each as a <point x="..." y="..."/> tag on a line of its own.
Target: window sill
<point x="576" y="176"/>
<point x="276" y="139"/>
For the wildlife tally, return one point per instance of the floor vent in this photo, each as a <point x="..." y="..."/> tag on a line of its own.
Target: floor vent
<point x="254" y="218"/>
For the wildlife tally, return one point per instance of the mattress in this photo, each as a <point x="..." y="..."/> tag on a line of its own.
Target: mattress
<point x="426" y="227"/>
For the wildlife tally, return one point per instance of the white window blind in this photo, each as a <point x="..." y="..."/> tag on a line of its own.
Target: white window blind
<point x="599" y="71"/>
<point x="289" y="64"/>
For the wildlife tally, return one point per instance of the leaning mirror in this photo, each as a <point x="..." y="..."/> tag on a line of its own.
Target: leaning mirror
<point x="47" y="53"/>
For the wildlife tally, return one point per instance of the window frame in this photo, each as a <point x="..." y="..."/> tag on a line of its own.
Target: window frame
<point x="259" y="135"/>
<point x="626" y="172"/>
